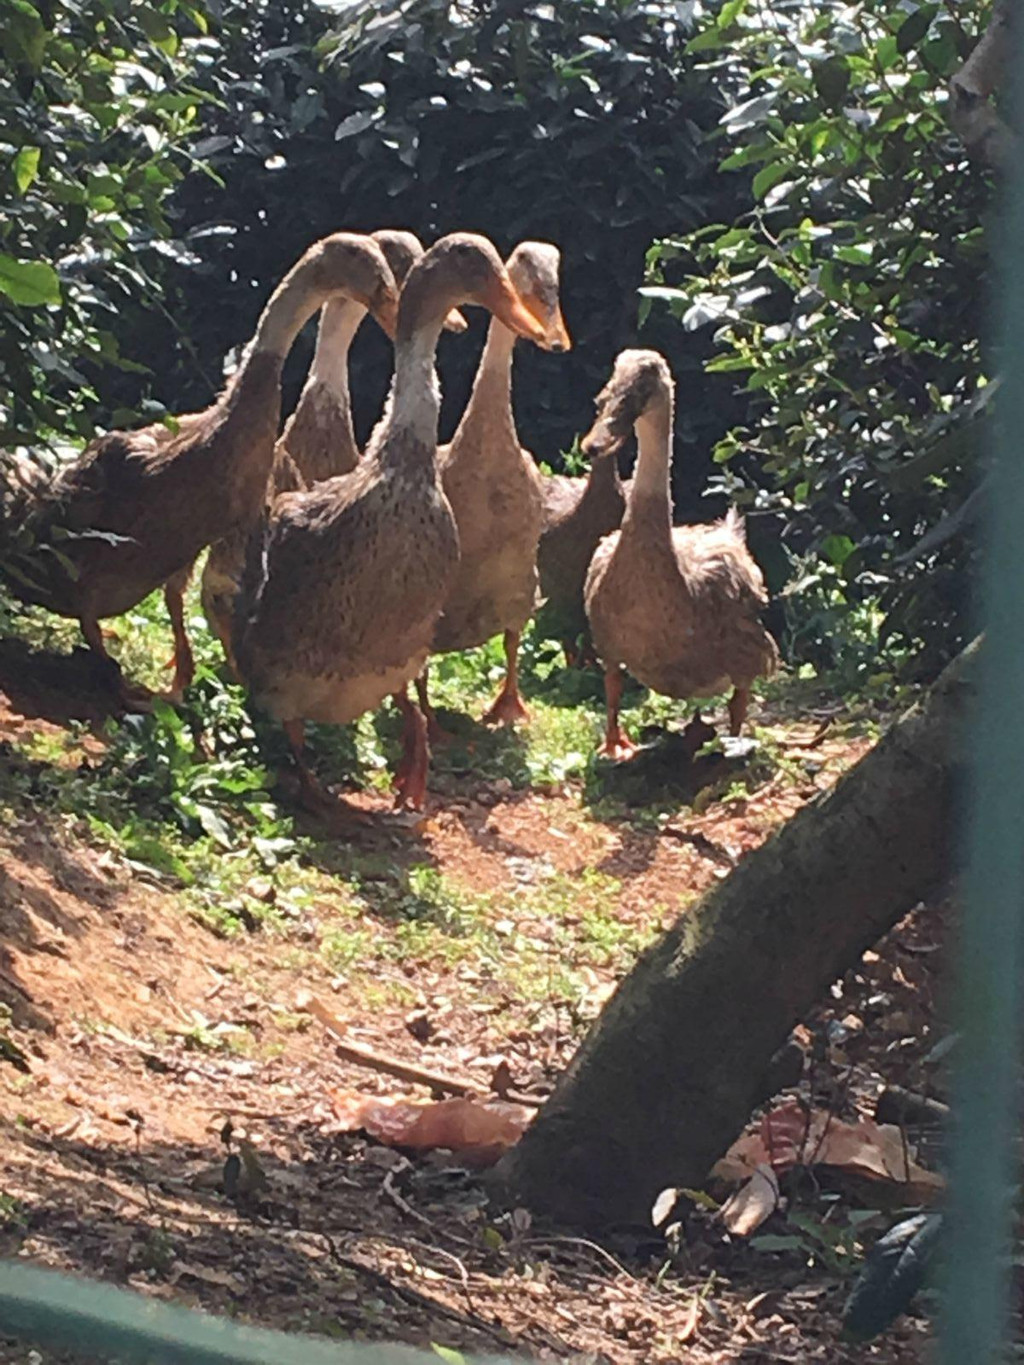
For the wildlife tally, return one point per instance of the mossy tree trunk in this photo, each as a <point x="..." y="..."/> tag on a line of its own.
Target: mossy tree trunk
<point x="672" y="1069"/>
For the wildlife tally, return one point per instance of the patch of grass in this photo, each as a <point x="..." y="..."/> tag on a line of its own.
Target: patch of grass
<point x="189" y="796"/>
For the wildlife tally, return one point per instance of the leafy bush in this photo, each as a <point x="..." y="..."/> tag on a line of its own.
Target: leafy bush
<point x="849" y="299"/>
<point x="96" y="111"/>
<point x="583" y="123"/>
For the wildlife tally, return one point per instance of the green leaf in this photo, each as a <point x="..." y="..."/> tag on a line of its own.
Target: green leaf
<point x="768" y="176"/>
<point x="214" y="825"/>
<point x="447" y="1353"/>
<point x="31" y="283"/>
<point x="355" y="123"/>
<point x="731" y="11"/>
<point x="831" y="80"/>
<point x="26" y="167"/>
<point x="157" y="29"/>
<point x="913" y="29"/>
<point x="860" y="253"/>
<point x="710" y="39"/>
<point x="837" y="549"/>
<point x="22" y="35"/>
<point x="748" y="114"/>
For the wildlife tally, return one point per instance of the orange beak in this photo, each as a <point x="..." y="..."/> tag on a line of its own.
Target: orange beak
<point x="509" y="308"/>
<point x="558" y="338"/>
<point x="385" y="311"/>
<point x="455" y="322"/>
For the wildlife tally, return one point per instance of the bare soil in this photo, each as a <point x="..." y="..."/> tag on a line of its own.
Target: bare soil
<point x="114" y="1151"/>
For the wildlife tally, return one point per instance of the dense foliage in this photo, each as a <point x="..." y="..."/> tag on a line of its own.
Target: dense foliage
<point x="163" y="163"/>
<point x="96" y="114"/>
<point x="583" y="124"/>
<point x="848" y="300"/>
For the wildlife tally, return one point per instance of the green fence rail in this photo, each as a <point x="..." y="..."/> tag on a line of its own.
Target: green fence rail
<point x="986" y="1124"/>
<point x="99" y="1322"/>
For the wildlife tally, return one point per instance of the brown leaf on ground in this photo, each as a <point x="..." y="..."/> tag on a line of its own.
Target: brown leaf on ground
<point x="788" y="1136"/>
<point x="479" y="1133"/>
<point x="752" y="1203"/>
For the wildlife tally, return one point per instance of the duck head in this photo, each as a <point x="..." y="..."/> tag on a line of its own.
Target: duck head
<point x="465" y="268"/>
<point x="355" y="266"/>
<point x="402" y="250"/>
<point x="640" y="380"/>
<point x="533" y="269"/>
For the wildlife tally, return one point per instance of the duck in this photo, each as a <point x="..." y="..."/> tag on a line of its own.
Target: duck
<point x="318" y="440"/>
<point x="135" y="509"/>
<point x="345" y="581"/>
<point x="495" y="491"/>
<point x="578" y="511"/>
<point x="678" y="607"/>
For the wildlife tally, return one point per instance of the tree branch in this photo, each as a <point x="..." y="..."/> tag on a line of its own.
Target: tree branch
<point x="972" y="115"/>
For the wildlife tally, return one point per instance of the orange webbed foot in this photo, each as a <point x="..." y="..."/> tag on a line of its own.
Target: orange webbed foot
<point x="619" y="748"/>
<point x="508" y="709"/>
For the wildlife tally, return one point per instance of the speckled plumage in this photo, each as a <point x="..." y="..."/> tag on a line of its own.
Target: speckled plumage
<point x="578" y="512"/>
<point x="146" y="502"/>
<point x="679" y="607"/>
<point x="492" y="483"/>
<point x="318" y="441"/>
<point x="164" y="496"/>
<point x="345" y="581"/>
<point x="339" y="604"/>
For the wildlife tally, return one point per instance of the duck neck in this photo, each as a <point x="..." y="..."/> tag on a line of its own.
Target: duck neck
<point x="293" y="301"/>
<point x="321" y="425"/>
<point x="415" y="400"/>
<point x="339" y="321"/>
<point x="649" y="500"/>
<point x="603" y="477"/>
<point x="490" y="404"/>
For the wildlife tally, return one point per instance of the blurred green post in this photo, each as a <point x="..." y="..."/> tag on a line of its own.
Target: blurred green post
<point x="981" y="1210"/>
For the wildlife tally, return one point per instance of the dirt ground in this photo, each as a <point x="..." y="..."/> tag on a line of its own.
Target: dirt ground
<point x="114" y="1152"/>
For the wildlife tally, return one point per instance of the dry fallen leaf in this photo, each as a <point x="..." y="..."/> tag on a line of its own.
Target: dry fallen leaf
<point x="752" y="1203"/>
<point x="479" y="1133"/>
<point x="788" y="1136"/>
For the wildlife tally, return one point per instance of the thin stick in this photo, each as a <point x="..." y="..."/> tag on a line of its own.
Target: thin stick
<point x="391" y="1066"/>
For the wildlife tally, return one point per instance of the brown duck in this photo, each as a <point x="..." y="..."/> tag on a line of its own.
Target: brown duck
<point x="679" y="607"/>
<point x="134" y="511"/>
<point x="345" y="581"/>
<point x="318" y="441"/>
<point x="495" y="490"/>
<point x="578" y="512"/>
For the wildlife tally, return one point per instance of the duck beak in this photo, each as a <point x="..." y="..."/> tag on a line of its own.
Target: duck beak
<point x="455" y="321"/>
<point x="558" y="338"/>
<point x="385" y="312"/>
<point x="511" y="309"/>
<point x="601" y="439"/>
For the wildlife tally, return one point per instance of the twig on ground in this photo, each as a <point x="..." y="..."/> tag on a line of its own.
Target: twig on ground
<point x="589" y="1246"/>
<point x="472" y="1321"/>
<point x="392" y="1066"/>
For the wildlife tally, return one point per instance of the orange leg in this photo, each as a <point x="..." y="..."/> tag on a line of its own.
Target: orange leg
<point x="738" y="703"/>
<point x="617" y="744"/>
<point x="182" y="662"/>
<point x="436" y="733"/>
<point x="314" y="796"/>
<point x="508" y="705"/>
<point x="411" y="775"/>
<point x="295" y="732"/>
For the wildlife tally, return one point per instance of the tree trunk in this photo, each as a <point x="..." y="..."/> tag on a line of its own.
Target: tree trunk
<point x="672" y="1069"/>
<point x="972" y="115"/>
